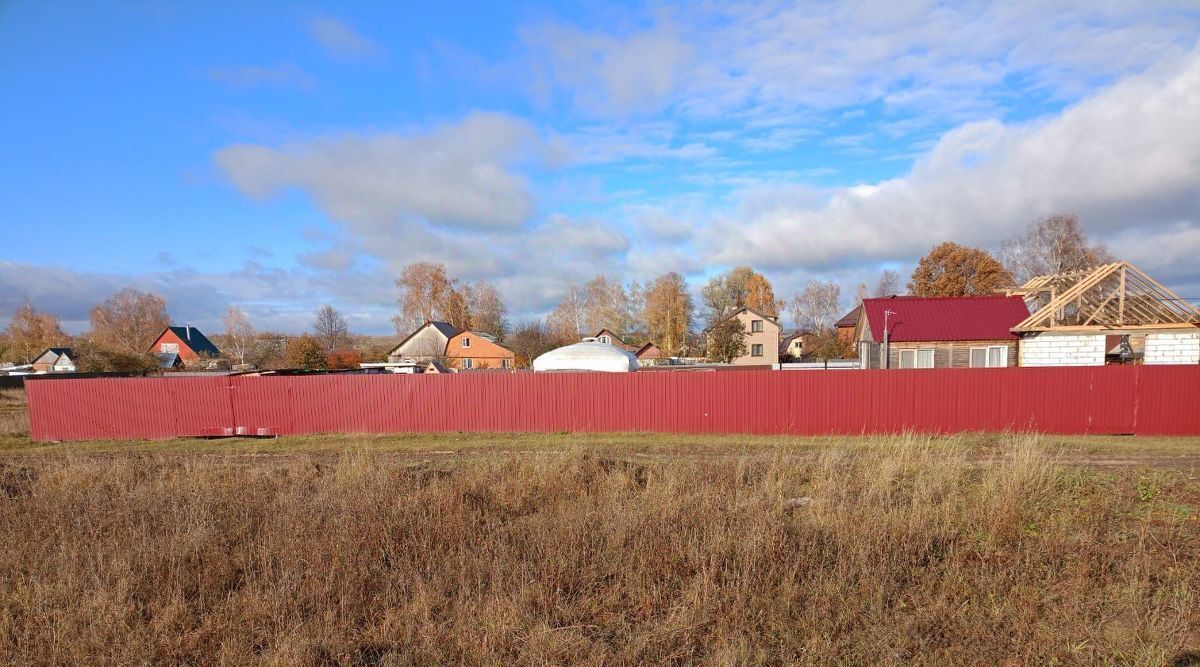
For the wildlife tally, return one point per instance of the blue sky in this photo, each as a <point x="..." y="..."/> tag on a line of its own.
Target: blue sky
<point x="280" y="157"/>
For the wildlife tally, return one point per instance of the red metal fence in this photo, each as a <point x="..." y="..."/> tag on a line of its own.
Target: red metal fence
<point x="1113" y="399"/>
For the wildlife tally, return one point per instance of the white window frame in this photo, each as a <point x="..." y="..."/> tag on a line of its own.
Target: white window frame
<point x="467" y="363"/>
<point x="466" y="342"/>
<point x="916" y="357"/>
<point x="504" y="363"/>
<point x="169" y="348"/>
<point x="756" y="350"/>
<point x="606" y="340"/>
<point x="756" y="326"/>
<point x="987" y="356"/>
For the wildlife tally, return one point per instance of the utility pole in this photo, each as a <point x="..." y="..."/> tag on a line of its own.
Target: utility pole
<point x="886" y="362"/>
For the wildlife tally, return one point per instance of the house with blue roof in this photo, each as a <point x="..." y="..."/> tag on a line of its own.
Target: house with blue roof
<point x="176" y="346"/>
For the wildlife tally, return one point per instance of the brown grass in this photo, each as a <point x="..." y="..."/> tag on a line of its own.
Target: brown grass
<point x="14" y="416"/>
<point x="911" y="553"/>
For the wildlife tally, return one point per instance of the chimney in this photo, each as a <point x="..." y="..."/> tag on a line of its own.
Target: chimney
<point x="188" y="329"/>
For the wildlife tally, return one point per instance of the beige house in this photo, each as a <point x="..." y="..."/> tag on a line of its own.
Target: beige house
<point x="762" y="338"/>
<point x="426" y="343"/>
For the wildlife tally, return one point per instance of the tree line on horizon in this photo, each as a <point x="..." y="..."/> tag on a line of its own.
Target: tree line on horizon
<point x="662" y="310"/>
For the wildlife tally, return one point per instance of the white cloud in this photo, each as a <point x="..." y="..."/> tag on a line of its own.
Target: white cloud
<point x="453" y="176"/>
<point x="779" y="61"/>
<point x="341" y="40"/>
<point x="613" y="74"/>
<point x="1124" y="158"/>
<point x="451" y="194"/>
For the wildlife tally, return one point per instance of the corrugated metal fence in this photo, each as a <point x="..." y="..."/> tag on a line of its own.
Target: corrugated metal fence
<point x="1113" y="399"/>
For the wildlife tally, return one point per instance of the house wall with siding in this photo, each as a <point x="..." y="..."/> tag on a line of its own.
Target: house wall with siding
<point x="1063" y="350"/>
<point x="1174" y="347"/>
<point x="768" y="338"/>
<point x="425" y="344"/>
<point x="946" y="354"/>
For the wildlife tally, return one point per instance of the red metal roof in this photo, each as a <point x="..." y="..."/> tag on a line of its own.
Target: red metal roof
<point x="915" y="319"/>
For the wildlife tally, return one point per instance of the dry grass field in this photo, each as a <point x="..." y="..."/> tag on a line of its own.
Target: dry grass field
<point x="604" y="549"/>
<point x="14" y="418"/>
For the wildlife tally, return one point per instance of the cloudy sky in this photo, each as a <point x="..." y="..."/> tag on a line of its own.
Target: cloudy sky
<point x="280" y="157"/>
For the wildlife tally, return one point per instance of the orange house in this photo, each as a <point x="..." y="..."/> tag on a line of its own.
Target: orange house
<point x="469" y="350"/>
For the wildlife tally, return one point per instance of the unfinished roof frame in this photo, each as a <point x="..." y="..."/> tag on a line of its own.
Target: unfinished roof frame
<point x="1116" y="296"/>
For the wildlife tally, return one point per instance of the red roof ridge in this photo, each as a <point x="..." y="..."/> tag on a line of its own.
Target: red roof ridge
<point x="911" y="297"/>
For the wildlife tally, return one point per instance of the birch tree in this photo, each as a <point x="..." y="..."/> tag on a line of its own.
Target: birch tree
<point x="239" y="334"/>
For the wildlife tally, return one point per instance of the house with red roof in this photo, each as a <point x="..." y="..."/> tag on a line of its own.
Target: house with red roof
<point x="847" y="327"/>
<point x="940" y="332"/>
<point x="649" y="355"/>
<point x="177" y="346"/>
<point x="608" y="337"/>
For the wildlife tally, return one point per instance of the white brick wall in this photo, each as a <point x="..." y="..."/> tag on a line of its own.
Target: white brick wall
<point x="1061" y="350"/>
<point x="1173" y="347"/>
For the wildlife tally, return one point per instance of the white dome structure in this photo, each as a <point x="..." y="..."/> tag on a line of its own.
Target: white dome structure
<point x="587" y="355"/>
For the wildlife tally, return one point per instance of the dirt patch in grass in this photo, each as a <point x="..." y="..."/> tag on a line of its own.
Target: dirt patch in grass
<point x="904" y="551"/>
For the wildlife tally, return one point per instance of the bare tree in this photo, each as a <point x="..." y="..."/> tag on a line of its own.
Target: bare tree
<point x="888" y="284"/>
<point x="239" y="334"/>
<point x="31" y="332"/>
<point x="457" y="309"/>
<point x="333" y="333"/>
<point x="608" y="304"/>
<point x="128" y="321"/>
<point x="424" y="288"/>
<point x="566" y="321"/>
<point x="669" y="312"/>
<point x="487" y="310"/>
<point x="1055" y="244"/>
<point x="529" y="341"/>
<point x="816" y="306"/>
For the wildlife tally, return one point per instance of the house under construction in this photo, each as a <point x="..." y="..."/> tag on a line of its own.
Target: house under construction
<point x="1112" y="313"/>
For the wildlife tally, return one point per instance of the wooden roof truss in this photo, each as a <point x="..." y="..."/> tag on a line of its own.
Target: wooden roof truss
<point x="1108" y="297"/>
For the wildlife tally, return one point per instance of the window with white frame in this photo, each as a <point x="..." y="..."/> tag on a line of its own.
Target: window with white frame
<point x="466" y="342"/>
<point x="505" y="363"/>
<point x="169" y="348"/>
<point x="916" y="358"/>
<point x="756" y="350"/>
<point x="993" y="356"/>
<point x="606" y="340"/>
<point x="467" y="363"/>
<point x="755" y="326"/>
